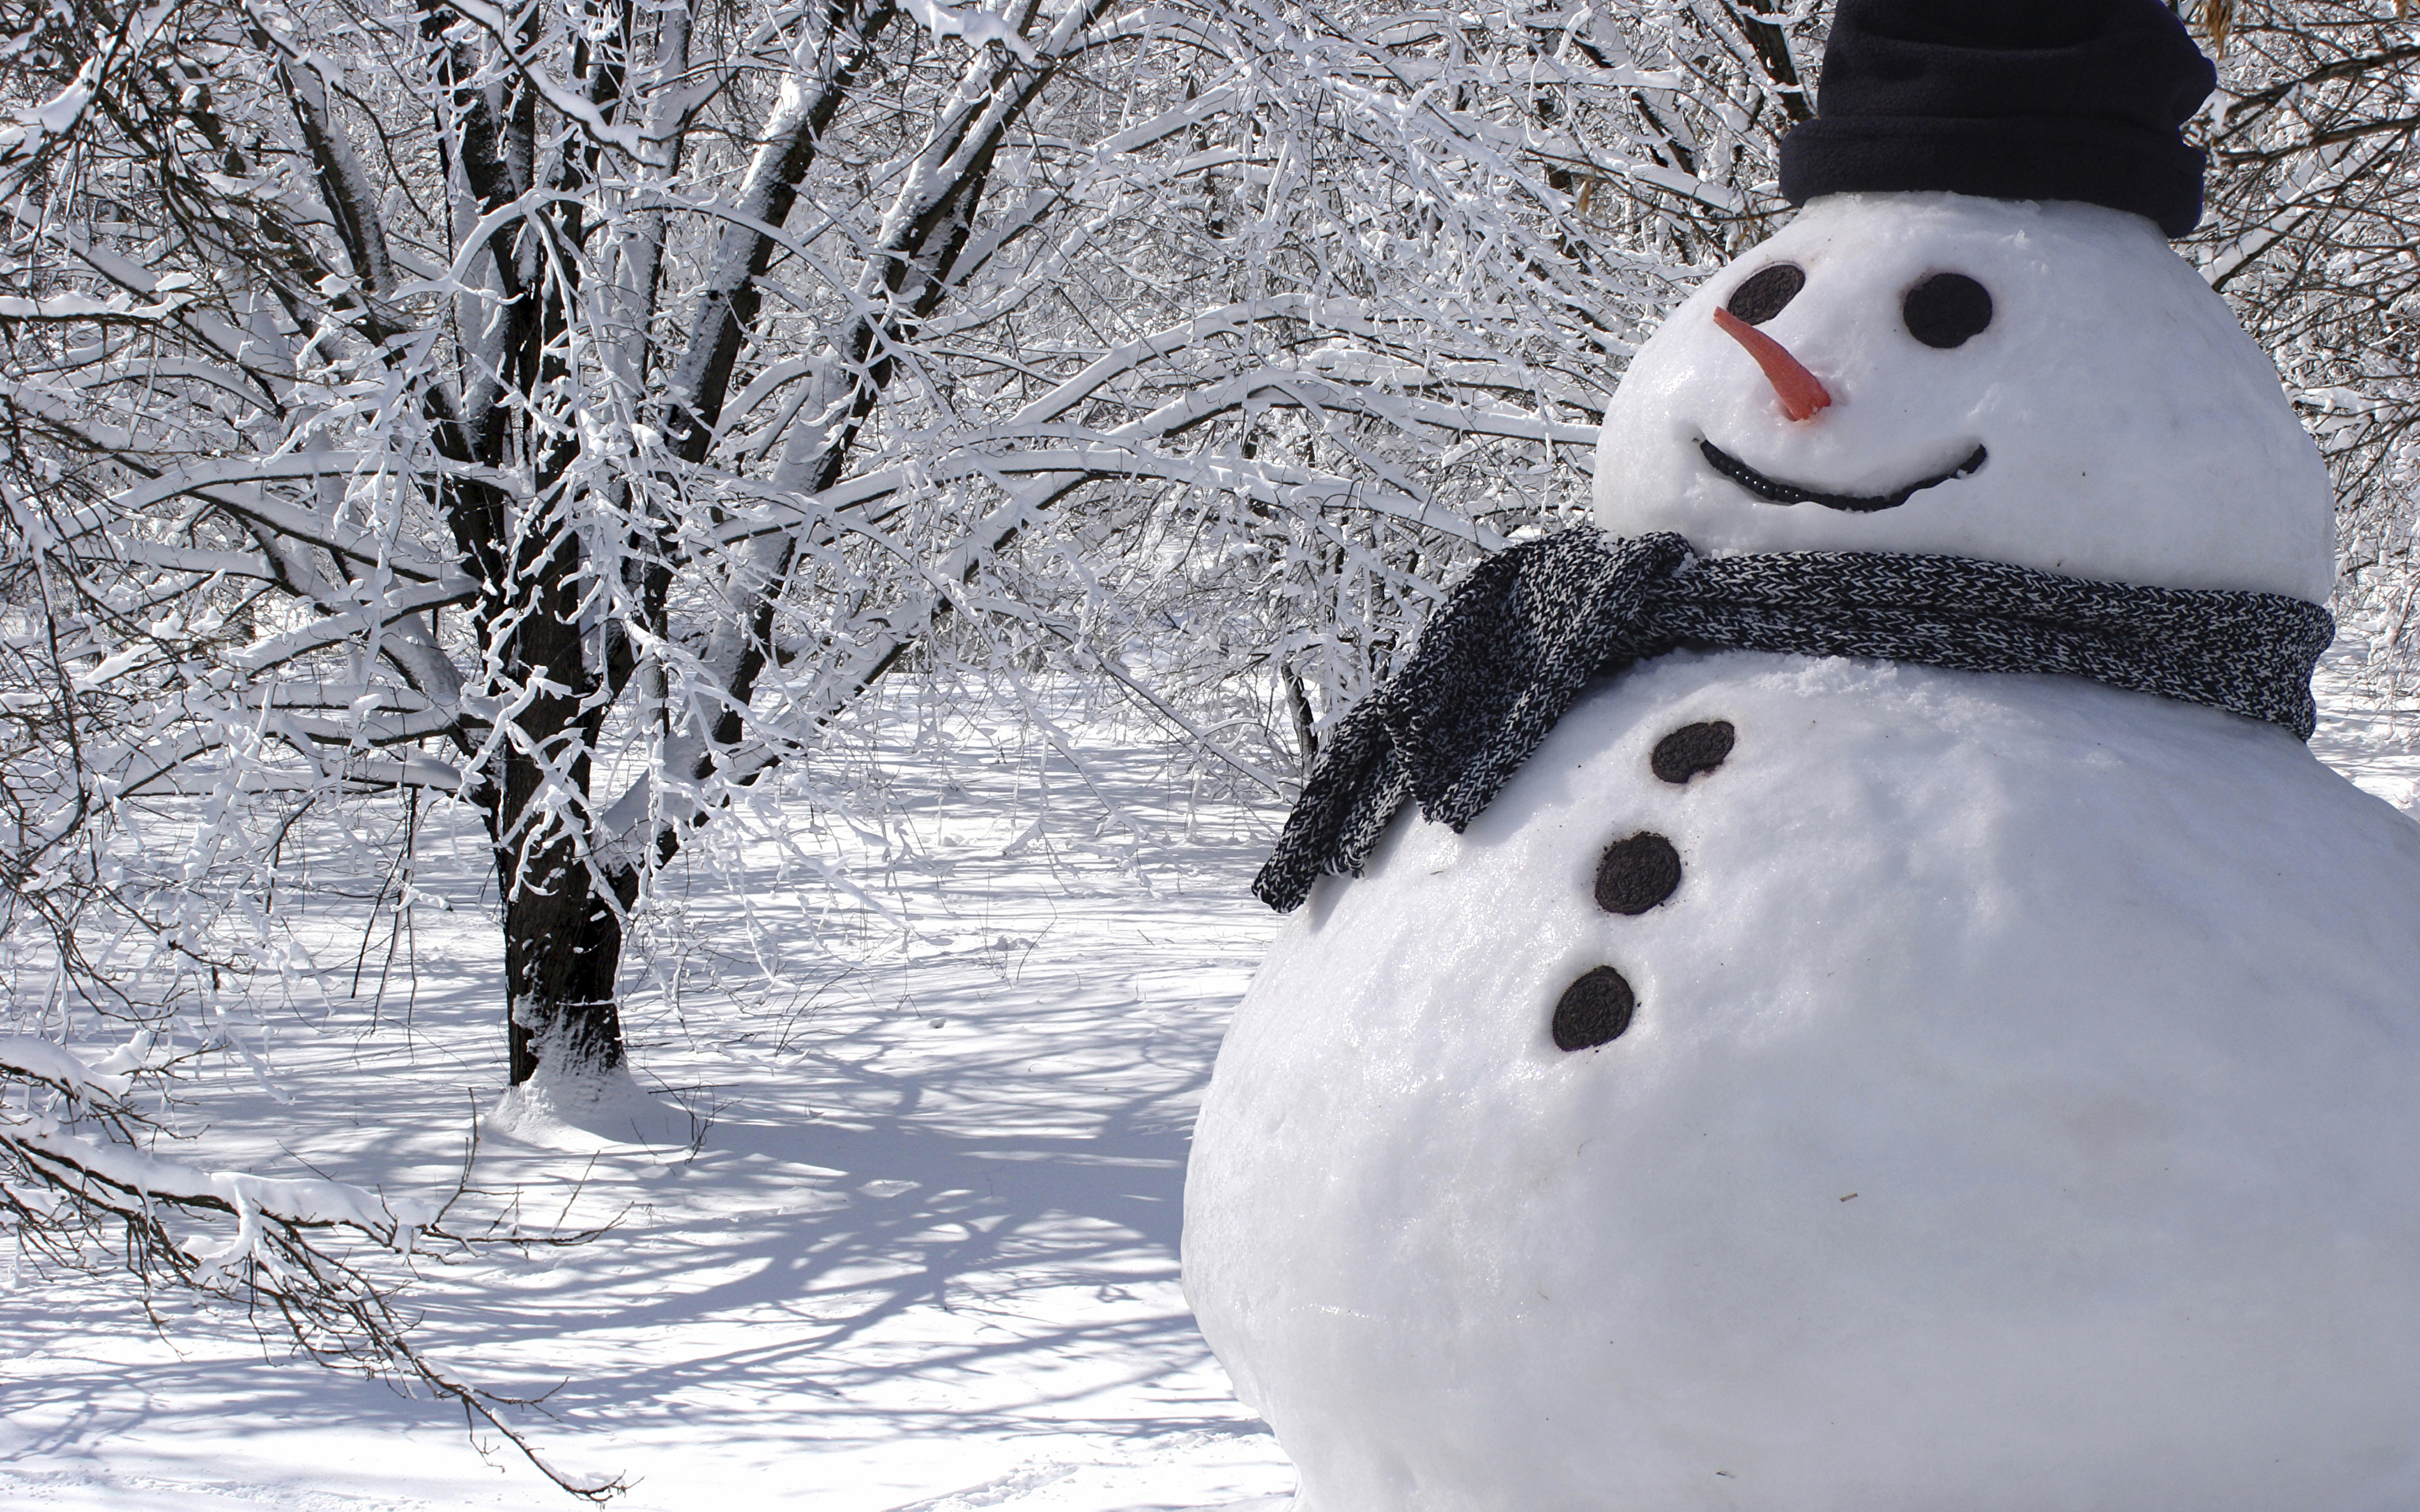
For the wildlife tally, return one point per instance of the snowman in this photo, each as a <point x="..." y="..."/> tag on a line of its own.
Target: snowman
<point x="1825" y="1082"/>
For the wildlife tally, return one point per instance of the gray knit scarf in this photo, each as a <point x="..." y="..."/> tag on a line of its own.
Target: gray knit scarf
<point x="1528" y="630"/>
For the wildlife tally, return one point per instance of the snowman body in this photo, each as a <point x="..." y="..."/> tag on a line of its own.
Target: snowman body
<point x="2017" y="1113"/>
<point x="2016" y="1096"/>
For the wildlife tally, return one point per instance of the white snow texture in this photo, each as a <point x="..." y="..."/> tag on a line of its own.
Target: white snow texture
<point x="2019" y="1114"/>
<point x="2134" y="432"/>
<point x="2020" y="1107"/>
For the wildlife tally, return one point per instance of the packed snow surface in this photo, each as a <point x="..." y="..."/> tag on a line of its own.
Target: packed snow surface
<point x="893" y="1229"/>
<point x="2134" y="432"/>
<point x="906" y="1266"/>
<point x="2019" y="1113"/>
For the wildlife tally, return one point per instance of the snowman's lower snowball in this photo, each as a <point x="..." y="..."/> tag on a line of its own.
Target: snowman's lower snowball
<point x="2102" y="1004"/>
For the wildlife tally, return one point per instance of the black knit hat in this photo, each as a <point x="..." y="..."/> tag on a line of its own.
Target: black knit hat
<point x="2010" y="99"/>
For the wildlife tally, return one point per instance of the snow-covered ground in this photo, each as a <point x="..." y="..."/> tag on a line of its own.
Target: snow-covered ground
<point x="920" y="1256"/>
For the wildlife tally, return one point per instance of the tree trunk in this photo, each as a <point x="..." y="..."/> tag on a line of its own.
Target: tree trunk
<point x="563" y="951"/>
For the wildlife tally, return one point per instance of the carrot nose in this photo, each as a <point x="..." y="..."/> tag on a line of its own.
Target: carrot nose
<point x="1802" y="392"/>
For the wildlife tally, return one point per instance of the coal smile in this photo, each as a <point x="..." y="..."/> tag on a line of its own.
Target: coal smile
<point x="1773" y="491"/>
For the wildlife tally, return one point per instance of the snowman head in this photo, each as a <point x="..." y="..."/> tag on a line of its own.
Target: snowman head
<point x="1975" y="340"/>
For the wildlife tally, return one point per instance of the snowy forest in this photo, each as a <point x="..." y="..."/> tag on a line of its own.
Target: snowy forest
<point x="576" y="569"/>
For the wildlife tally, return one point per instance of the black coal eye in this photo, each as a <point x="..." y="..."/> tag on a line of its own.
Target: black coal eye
<point x="1946" y="309"/>
<point x="1762" y="293"/>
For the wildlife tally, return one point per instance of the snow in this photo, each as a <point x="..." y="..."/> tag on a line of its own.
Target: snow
<point x="979" y="27"/>
<point x="903" y="1235"/>
<point x="40" y="1059"/>
<point x="2018" y="1114"/>
<point x="908" y="1266"/>
<point x="2134" y="432"/>
<point x="598" y="1112"/>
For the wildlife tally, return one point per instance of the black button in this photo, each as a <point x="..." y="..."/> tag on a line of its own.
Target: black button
<point x="1637" y="874"/>
<point x="1691" y="750"/>
<point x="1594" y="1010"/>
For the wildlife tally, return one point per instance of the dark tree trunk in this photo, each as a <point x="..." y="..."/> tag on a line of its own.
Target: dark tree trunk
<point x="563" y="922"/>
<point x="563" y="911"/>
<point x="562" y="951"/>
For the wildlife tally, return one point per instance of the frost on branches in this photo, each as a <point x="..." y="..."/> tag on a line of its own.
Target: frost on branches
<point x="316" y="1262"/>
<point x="2312" y="234"/>
<point x="571" y="411"/>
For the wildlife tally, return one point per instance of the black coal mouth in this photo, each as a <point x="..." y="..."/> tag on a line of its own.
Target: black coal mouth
<point x="1773" y="491"/>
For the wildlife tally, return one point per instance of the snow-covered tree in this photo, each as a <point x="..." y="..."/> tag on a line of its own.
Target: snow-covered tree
<point x="2314" y="236"/>
<point x="573" y="408"/>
